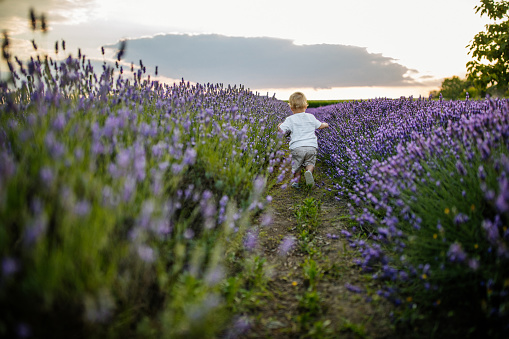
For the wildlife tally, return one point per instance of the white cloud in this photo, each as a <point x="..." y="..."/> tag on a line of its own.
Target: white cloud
<point x="68" y="11"/>
<point x="266" y="62"/>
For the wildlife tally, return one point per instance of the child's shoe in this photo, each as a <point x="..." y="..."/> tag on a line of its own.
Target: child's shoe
<point x="295" y="185"/>
<point x="309" y="178"/>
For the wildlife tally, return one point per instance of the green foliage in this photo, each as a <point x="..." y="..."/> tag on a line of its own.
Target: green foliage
<point x="310" y="302"/>
<point x="358" y="330"/>
<point x="489" y="70"/>
<point x="312" y="272"/>
<point x="455" y="88"/>
<point x="308" y="213"/>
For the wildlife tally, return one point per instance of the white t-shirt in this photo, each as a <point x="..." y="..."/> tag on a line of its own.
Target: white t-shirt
<point x="302" y="127"/>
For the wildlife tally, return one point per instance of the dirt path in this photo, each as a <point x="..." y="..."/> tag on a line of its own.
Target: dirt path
<point x="323" y="307"/>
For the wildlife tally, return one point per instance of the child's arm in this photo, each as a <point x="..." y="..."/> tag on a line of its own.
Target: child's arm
<point x="323" y="125"/>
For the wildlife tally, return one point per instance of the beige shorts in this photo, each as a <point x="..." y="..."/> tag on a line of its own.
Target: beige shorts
<point x="303" y="156"/>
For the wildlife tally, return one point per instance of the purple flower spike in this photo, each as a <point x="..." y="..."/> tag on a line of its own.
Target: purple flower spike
<point x="456" y="253"/>
<point x="190" y="156"/>
<point x="146" y="253"/>
<point x="502" y="201"/>
<point x="461" y="169"/>
<point x="82" y="208"/>
<point x="47" y="176"/>
<point x="9" y="266"/>
<point x="23" y="330"/>
<point x="473" y="264"/>
<point x="491" y="231"/>
<point x="189" y="234"/>
<point x="460" y="219"/>
<point x="353" y="288"/>
<point x="481" y="173"/>
<point x="266" y="219"/>
<point x="250" y="241"/>
<point x="239" y="327"/>
<point x="346" y="233"/>
<point x="286" y="245"/>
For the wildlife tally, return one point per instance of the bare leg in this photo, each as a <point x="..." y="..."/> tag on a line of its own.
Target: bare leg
<point x="310" y="168"/>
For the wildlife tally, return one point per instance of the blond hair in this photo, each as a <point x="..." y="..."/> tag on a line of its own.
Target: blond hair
<point x="298" y="101"/>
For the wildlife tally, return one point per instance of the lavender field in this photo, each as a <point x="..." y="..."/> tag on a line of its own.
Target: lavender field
<point x="127" y="206"/>
<point x="426" y="183"/>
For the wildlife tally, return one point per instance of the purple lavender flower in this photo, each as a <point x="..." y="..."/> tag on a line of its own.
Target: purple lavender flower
<point x="286" y="245"/>
<point x="456" y="253"/>
<point x="460" y="218"/>
<point x="9" y="266"/>
<point x="46" y="175"/>
<point x="502" y="204"/>
<point x="484" y="149"/>
<point x="129" y="187"/>
<point x="214" y="276"/>
<point x="7" y="165"/>
<point x="82" y="208"/>
<point x="189" y="156"/>
<point x="346" y="234"/>
<point x="78" y="153"/>
<point x="403" y="275"/>
<point x="146" y="253"/>
<point x="176" y="168"/>
<point x="189" y="234"/>
<point x="461" y="169"/>
<point x="473" y="264"/>
<point x="99" y="308"/>
<point x="353" y="288"/>
<point x="55" y="148"/>
<point x="502" y="201"/>
<point x="266" y="219"/>
<point x="481" y="173"/>
<point x="23" y="330"/>
<point x="384" y="231"/>
<point x="35" y="230"/>
<point x="123" y="158"/>
<point x="240" y="326"/>
<point x="250" y="241"/>
<point x="492" y="232"/>
<point x="59" y="122"/>
<point x="258" y="185"/>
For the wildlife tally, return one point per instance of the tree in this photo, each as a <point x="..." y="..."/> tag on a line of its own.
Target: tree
<point x="489" y="71"/>
<point x="455" y="88"/>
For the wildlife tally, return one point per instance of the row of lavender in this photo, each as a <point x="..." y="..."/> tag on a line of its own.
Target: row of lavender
<point x="370" y="130"/>
<point x="427" y="181"/>
<point x="117" y="198"/>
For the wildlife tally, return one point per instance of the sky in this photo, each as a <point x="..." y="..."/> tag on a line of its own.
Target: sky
<point x="328" y="49"/>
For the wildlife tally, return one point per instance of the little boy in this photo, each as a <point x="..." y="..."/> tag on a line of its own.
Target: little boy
<point x="303" y="142"/>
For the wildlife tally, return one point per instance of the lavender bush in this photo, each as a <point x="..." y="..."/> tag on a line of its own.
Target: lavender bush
<point x="118" y="195"/>
<point x="435" y="211"/>
<point x="365" y="131"/>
